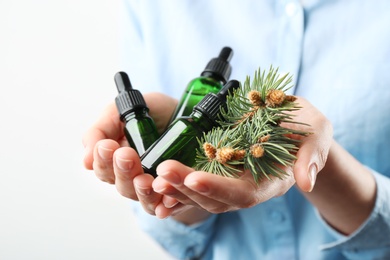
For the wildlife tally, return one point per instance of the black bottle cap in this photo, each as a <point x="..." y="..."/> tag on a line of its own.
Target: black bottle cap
<point x="211" y="104"/>
<point x="219" y="67"/>
<point x="128" y="99"/>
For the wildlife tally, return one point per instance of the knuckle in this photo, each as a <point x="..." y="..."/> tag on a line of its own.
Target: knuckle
<point x="322" y="156"/>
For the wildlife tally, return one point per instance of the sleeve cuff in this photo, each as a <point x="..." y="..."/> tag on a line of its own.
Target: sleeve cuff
<point x="373" y="235"/>
<point x="179" y="240"/>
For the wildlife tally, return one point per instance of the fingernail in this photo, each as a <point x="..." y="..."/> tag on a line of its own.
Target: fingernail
<point x="142" y="190"/>
<point x="160" y="190"/>
<point x="171" y="177"/>
<point x="124" y="164"/>
<point x="104" y="153"/>
<point x="170" y="203"/>
<point x="312" y="176"/>
<point x="196" y="186"/>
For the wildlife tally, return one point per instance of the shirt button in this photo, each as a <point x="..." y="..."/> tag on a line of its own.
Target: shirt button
<point x="291" y="9"/>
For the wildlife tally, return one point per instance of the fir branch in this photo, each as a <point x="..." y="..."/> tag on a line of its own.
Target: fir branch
<point x="250" y="136"/>
<point x="219" y="139"/>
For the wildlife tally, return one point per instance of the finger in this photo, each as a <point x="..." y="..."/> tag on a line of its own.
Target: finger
<point x="169" y="202"/>
<point x="127" y="166"/>
<point x="163" y="186"/>
<point x="108" y="126"/>
<point x="175" y="173"/>
<point x="147" y="197"/>
<point x="103" y="160"/>
<point x="163" y="212"/>
<point x="229" y="191"/>
<point x="238" y="193"/>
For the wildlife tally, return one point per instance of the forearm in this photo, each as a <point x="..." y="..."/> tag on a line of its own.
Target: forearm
<point x="345" y="191"/>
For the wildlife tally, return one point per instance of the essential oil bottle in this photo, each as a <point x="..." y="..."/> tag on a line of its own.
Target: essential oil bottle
<point x="179" y="141"/>
<point x="211" y="80"/>
<point x="139" y="129"/>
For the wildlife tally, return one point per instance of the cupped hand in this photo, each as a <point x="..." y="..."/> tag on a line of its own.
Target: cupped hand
<point x="212" y="193"/>
<point x="108" y="155"/>
<point x="216" y="194"/>
<point x="179" y="189"/>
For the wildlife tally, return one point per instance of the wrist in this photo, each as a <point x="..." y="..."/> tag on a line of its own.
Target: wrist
<point x="344" y="192"/>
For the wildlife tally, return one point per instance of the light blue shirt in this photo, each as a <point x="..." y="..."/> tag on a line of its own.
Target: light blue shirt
<point x="339" y="54"/>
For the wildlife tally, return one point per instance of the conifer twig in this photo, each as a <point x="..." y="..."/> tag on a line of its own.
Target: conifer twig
<point x="250" y="136"/>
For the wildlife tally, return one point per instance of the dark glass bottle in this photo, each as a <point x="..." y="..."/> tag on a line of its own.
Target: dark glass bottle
<point x="211" y="80"/>
<point x="139" y="129"/>
<point x="179" y="142"/>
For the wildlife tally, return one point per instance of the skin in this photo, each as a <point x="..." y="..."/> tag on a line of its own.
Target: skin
<point x="332" y="180"/>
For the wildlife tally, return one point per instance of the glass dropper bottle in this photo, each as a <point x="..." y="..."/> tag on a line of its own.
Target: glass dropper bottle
<point x="211" y="80"/>
<point x="140" y="130"/>
<point x="179" y="141"/>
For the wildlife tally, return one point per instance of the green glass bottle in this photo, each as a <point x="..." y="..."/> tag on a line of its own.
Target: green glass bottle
<point x="179" y="141"/>
<point x="140" y="130"/>
<point x="211" y="80"/>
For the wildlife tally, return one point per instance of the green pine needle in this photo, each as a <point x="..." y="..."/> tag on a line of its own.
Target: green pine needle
<point x="250" y="136"/>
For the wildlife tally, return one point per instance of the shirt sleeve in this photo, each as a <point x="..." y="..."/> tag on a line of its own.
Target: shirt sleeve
<point x="372" y="239"/>
<point x="181" y="241"/>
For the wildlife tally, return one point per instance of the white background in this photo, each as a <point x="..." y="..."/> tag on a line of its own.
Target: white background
<point x="57" y="62"/>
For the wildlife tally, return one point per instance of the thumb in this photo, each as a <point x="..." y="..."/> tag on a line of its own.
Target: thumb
<point x="312" y="156"/>
<point x="314" y="149"/>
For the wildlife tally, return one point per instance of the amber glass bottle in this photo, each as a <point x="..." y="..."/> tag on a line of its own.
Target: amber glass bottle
<point x="179" y="142"/>
<point x="139" y="129"/>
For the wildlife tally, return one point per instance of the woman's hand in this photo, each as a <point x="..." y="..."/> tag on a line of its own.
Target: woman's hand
<point x="216" y="194"/>
<point x="190" y="196"/>
<point x="187" y="190"/>
<point x="108" y="154"/>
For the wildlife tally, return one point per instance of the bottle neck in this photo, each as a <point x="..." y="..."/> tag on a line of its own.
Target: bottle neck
<point x="203" y="120"/>
<point x="209" y="74"/>
<point x="136" y="114"/>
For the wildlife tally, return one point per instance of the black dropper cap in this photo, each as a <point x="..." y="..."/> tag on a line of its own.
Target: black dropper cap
<point x="211" y="104"/>
<point x="128" y="99"/>
<point x="219" y="67"/>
